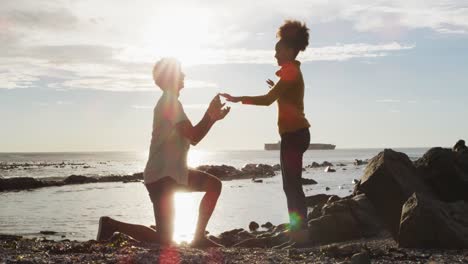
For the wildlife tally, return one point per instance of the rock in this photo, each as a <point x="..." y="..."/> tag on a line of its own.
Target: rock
<point x="318" y="199"/>
<point x="333" y="228"/>
<point x="329" y="169"/>
<point x="20" y="183"/>
<point x="79" y="179"/>
<point x="253" y="226"/>
<point x="129" y="181"/>
<point x="215" y="239"/>
<point x="276" y="167"/>
<point x="223" y="172"/>
<point x="315" y="212"/>
<point x="267" y="225"/>
<point x="317" y="165"/>
<point x="138" y="176"/>
<point x="460" y="146"/>
<point x="428" y="223"/>
<point x="258" y="170"/>
<point x="341" y="251"/>
<point x="281" y="227"/>
<point x="46" y="232"/>
<point x="360" y="258"/>
<point x="359" y="162"/>
<point x="327" y="188"/>
<point x="333" y="199"/>
<point x="229" y="238"/>
<point x="389" y="180"/>
<point x="355" y="181"/>
<point x="257" y="180"/>
<point x="446" y="173"/>
<point x="314" y="165"/>
<point x="10" y="237"/>
<point x="354" y="212"/>
<point x="305" y="181"/>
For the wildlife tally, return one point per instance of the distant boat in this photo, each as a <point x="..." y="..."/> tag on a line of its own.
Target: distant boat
<point x="313" y="146"/>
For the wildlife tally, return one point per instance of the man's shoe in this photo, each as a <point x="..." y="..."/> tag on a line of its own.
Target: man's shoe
<point x="105" y="230"/>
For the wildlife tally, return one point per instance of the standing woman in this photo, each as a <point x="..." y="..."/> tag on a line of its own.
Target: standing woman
<point x="292" y="123"/>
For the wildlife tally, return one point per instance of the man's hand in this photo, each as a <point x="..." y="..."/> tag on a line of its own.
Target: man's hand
<point x="216" y="116"/>
<point x="230" y="98"/>
<point x="216" y="110"/>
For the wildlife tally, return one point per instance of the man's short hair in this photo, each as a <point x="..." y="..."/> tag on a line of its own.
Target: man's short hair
<point x="166" y="71"/>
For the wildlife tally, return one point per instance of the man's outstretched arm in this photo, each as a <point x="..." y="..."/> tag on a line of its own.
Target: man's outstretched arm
<point x="195" y="134"/>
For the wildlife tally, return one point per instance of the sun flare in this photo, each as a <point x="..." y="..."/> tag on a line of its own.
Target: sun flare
<point x="186" y="207"/>
<point x="181" y="32"/>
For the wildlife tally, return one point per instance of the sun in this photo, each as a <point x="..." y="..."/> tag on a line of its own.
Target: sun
<point x="181" y="32"/>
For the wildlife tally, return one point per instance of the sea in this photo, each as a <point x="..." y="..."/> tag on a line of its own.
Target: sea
<point x="73" y="211"/>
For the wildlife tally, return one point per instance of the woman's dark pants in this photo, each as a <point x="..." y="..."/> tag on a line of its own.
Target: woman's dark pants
<point x="293" y="146"/>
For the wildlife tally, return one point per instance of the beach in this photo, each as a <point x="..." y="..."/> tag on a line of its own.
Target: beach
<point x="73" y="211"/>
<point x="58" y="223"/>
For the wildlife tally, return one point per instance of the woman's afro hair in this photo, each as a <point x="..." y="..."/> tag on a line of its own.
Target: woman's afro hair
<point x="295" y="34"/>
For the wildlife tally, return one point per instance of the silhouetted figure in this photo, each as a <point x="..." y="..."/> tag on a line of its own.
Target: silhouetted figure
<point x="293" y="126"/>
<point x="166" y="170"/>
<point x="460" y="146"/>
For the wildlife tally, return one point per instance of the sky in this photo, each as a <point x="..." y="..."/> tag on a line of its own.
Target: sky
<point x="76" y="75"/>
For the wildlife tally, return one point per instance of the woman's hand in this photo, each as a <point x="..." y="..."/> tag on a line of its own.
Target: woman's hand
<point x="270" y="83"/>
<point x="230" y="98"/>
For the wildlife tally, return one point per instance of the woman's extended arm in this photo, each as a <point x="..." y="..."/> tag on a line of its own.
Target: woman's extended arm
<point x="266" y="99"/>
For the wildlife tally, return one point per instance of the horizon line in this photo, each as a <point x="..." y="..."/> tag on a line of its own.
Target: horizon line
<point x="210" y="150"/>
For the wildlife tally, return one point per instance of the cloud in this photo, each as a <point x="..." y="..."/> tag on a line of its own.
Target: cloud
<point x="388" y="101"/>
<point x="104" y="45"/>
<point x="195" y="84"/>
<point x="338" y="52"/>
<point x="63" y="102"/>
<point x="142" y="107"/>
<point x="195" y="106"/>
<point x="58" y="19"/>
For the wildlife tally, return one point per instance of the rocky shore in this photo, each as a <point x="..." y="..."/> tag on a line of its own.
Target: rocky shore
<point x="401" y="211"/>
<point x="223" y="172"/>
<point x="122" y="249"/>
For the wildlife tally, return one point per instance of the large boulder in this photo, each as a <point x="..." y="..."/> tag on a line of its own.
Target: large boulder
<point x="389" y="180"/>
<point x="342" y="219"/>
<point x="314" y="200"/>
<point x="361" y="209"/>
<point x="335" y="227"/>
<point x="429" y="223"/>
<point x="446" y="173"/>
